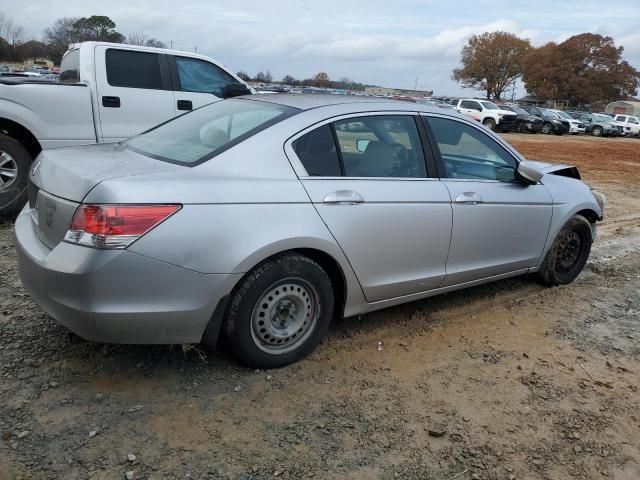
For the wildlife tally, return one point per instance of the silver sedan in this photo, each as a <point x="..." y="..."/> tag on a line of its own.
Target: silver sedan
<point x="265" y="217"/>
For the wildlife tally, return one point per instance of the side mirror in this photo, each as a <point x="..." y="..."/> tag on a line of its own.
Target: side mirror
<point x="362" y="144"/>
<point x="235" y="89"/>
<point x="529" y="173"/>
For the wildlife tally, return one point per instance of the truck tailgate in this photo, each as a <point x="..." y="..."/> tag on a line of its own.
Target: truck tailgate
<point x="57" y="114"/>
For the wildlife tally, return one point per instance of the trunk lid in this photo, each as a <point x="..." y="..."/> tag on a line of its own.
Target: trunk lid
<point x="61" y="178"/>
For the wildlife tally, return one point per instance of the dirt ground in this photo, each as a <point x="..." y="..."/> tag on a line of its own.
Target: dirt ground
<point x="505" y="381"/>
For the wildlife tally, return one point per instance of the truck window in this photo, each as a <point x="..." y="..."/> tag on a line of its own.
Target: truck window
<point x="200" y="76"/>
<point x="130" y="69"/>
<point x="70" y="67"/>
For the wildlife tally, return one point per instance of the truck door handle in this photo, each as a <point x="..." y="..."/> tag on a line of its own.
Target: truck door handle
<point x="343" y="197"/>
<point x="185" y="105"/>
<point x="111" y="102"/>
<point x="469" y="198"/>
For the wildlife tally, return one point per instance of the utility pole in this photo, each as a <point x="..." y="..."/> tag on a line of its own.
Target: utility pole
<point x="195" y="49"/>
<point x="415" y="85"/>
<point x="171" y="44"/>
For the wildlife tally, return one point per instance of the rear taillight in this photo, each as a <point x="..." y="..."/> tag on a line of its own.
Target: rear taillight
<point x="115" y="226"/>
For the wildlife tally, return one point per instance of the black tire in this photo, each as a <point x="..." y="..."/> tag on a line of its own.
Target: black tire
<point x="568" y="255"/>
<point x="490" y="123"/>
<point x="597" y="131"/>
<point x="547" y="129"/>
<point x="267" y="345"/>
<point x="13" y="196"/>
<point x="522" y="127"/>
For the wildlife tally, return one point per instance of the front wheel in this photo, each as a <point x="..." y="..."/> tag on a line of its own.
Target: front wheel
<point x="568" y="254"/>
<point x="522" y="127"/>
<point x="14" y="175"/>
<point x="490" y="123"/>
<point x="597" y="131"/>
<point x="280" y="311"/>
<point x="546" y="128"/>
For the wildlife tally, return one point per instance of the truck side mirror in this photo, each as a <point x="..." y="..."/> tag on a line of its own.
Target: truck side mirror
<point x="235" y="89"/>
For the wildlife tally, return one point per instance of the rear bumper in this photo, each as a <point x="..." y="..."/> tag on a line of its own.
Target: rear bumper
<point x="117" y="296"/>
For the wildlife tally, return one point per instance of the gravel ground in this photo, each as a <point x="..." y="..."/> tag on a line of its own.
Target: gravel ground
<point x="504" y="381"/>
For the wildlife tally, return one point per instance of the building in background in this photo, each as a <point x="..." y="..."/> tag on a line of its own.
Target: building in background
<point x="392" y="92"/>
<point x="624" y="107"/>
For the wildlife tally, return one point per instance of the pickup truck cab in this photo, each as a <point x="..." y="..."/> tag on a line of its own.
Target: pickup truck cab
<point x="106" y="93"/>
<point x="488" y="113"/>
<point x="630" y="125"/>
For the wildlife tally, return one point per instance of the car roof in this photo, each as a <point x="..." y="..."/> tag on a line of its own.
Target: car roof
<point x="310" y="101"/>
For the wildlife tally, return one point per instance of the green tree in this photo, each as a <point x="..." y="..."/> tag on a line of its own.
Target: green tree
<point x="491" y="62"/>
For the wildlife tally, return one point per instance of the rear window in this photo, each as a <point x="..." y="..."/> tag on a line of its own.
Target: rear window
<point x="206" y="132"/>
<point x="133" y="69"/>
<point x="70" y="67"/>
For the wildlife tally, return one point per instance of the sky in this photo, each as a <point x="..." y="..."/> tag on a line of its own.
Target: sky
<point x="393" y="43"/>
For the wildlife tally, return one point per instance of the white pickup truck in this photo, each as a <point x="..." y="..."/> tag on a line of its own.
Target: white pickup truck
<point x="106" y="93"/>
<point x="490" y="114"/>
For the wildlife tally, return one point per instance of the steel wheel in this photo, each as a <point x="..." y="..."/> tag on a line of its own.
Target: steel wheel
<point x="284" y="316"/>
<point x="568" y="251"/>
<point x="8" y="170"/>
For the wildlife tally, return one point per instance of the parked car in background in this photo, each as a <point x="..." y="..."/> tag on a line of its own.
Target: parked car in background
<point x="575" y="126"/>
<point x="551" y="123"/>
<point x="630" y="125"/>
<point x="106" y="93"/>
<point x="263" y="218"/>
<point x="491" y="115"/>
<point x="525" y="122"/>
<point x="597" y="125"/>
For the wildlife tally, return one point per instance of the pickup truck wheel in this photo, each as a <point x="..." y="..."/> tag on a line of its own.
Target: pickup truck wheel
<point x="490" y="123"/>
<point x="14" y="175"/>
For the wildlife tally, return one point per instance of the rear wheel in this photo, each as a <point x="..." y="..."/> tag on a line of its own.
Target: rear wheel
<point x="490" y="123"/>
<point x="280" y="311"/>
<point x="14" y="175"/>
<point x="568" y="254"/>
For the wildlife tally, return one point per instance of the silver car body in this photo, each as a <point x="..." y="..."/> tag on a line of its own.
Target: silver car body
<point x="390" y="240"/>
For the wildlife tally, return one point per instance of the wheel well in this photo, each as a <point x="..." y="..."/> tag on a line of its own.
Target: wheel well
<point x="22" y="135"/>
<point x="333" y="269"/>
<point x="589" y="215"/>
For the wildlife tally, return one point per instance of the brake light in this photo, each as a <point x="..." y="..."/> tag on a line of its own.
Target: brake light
<point x="115" y="226"/>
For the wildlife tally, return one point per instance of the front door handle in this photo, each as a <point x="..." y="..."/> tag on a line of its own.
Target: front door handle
<point x="185" y="105"/>
<point x="343" y="197"/>
<point x="469" y="198"/>
<point x="111" y="102"/>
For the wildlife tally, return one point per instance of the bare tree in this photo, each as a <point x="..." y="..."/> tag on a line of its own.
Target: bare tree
<point x="153" y="42"/>
<point x="137" y="38"/>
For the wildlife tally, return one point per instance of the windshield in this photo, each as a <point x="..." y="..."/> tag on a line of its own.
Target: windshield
<point x="601" y="118"/>
<point x="208" y="131"/>
<point x="490" y="105"/>
<point x="548" y="113"/>
<point x="565" y="115"/>
<point x="518" y="110"/>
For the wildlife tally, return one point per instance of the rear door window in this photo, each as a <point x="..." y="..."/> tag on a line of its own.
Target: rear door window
<point x="318" y="153"/>
<point x="380" y="146"/>
<point x="203" y="77"/>
<point x="131" y="69"/>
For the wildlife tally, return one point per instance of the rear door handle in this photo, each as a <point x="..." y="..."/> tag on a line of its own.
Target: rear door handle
<point x="469" y="198"/>
<point x="343" y="197"/>
<point x="111" y="102"/>
<point x="185" y="105"/>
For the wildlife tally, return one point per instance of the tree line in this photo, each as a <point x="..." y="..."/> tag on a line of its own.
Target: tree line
<point x="16" y="46"/>
<point x="583" y="69"/>
<point x="320" y="79"/>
